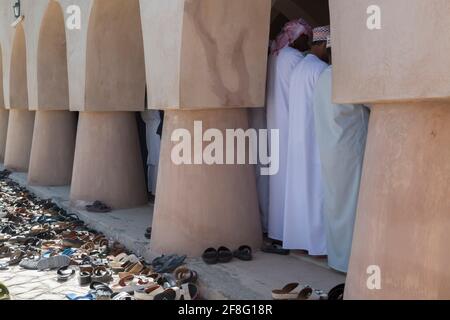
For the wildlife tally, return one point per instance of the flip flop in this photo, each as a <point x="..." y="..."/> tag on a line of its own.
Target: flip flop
<point x="210" y="256"/>
<point x="224" y="255"/>
<point x="244" y="253"/>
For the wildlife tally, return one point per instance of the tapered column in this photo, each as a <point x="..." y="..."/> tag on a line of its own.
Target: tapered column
<point x="18" y="143"/>
<point x="53" y="148"/>
<point x="202" y="206"/>
<point x="4" y="117"/>
<point x="108" y="164"/>
<point x="403" y="218"/>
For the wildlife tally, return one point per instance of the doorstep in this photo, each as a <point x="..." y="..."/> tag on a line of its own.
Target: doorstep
<point x="253" y="280"/>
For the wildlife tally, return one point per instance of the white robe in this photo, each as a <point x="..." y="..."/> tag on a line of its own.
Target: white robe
<point x="341" y="134"/>
<point x="304" y="224"/>
<point x="258" y="121"/>
<point x="279" y="74"/>
<point x="152" y="120"/>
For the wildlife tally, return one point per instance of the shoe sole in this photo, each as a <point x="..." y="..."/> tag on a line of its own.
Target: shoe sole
<point x="53" y="262"/>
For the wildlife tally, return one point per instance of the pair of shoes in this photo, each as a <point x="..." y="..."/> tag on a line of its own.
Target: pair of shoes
<point x="221" y="255"/>
<point x="224" y="255"/>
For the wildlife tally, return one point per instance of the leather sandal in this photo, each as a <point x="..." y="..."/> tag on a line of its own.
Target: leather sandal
<point x="184" y="275"/>
<point x="292" y="291"/>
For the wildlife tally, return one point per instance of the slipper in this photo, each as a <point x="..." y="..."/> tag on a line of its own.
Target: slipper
<point x="4" y="293"/>
<point x="168" y="294"/>
<point x="84" y="278"/>
<point x="337" y="293"/>
<point x="73" y="296"/>
<point x="289" y="292"/>
<point x="65" y="273"/>
<point x="68" y="252"/>
<point x="101" y="291"/>
<point x="167" y="281"/>
<point x="275" y="249"/>
<point x="98" y="207"/>
<point x="210" y="256"/>
<point x="16" y="257"/>
<point x="184" y="275"/>
<point x="122" y="296"/>
<point x="224" y="255"/>
<point x="149" y="293"/>
<point x="189" y="291"/>
<point x="244" y="253"/>
<point x="102" y="274"/>
<point x="5" y="252"/>
<point x="131" y="284"/>
<point x="54" y="262"/>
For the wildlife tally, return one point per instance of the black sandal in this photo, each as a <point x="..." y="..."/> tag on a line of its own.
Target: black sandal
<point x="244" y="253"/>
<point x="225" y="255"/>
<point x="98" y="207"/>
<point x="210" y="256"/>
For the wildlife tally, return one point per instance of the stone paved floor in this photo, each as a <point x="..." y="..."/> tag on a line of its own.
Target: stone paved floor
<point x="36" y="285"/>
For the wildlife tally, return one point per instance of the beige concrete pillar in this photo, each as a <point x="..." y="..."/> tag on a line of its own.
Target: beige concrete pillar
<point x="4" y="117"/>
<point x="400" y="245"/>
<point x="53" y="148"/>
<point x="216" y="60"/>
<point x="403" y="218"/>
<point x="20" y="136"/>
<point x="108" y="164"/>
<point x="202" y="206"/>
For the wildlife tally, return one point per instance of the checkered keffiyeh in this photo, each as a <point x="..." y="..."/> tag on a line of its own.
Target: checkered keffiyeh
<point x="321" y="33"/>
<point x="291" y="32"/>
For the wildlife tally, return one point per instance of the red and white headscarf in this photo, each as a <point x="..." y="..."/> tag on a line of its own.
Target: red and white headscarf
<point x="291" y="32"/>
